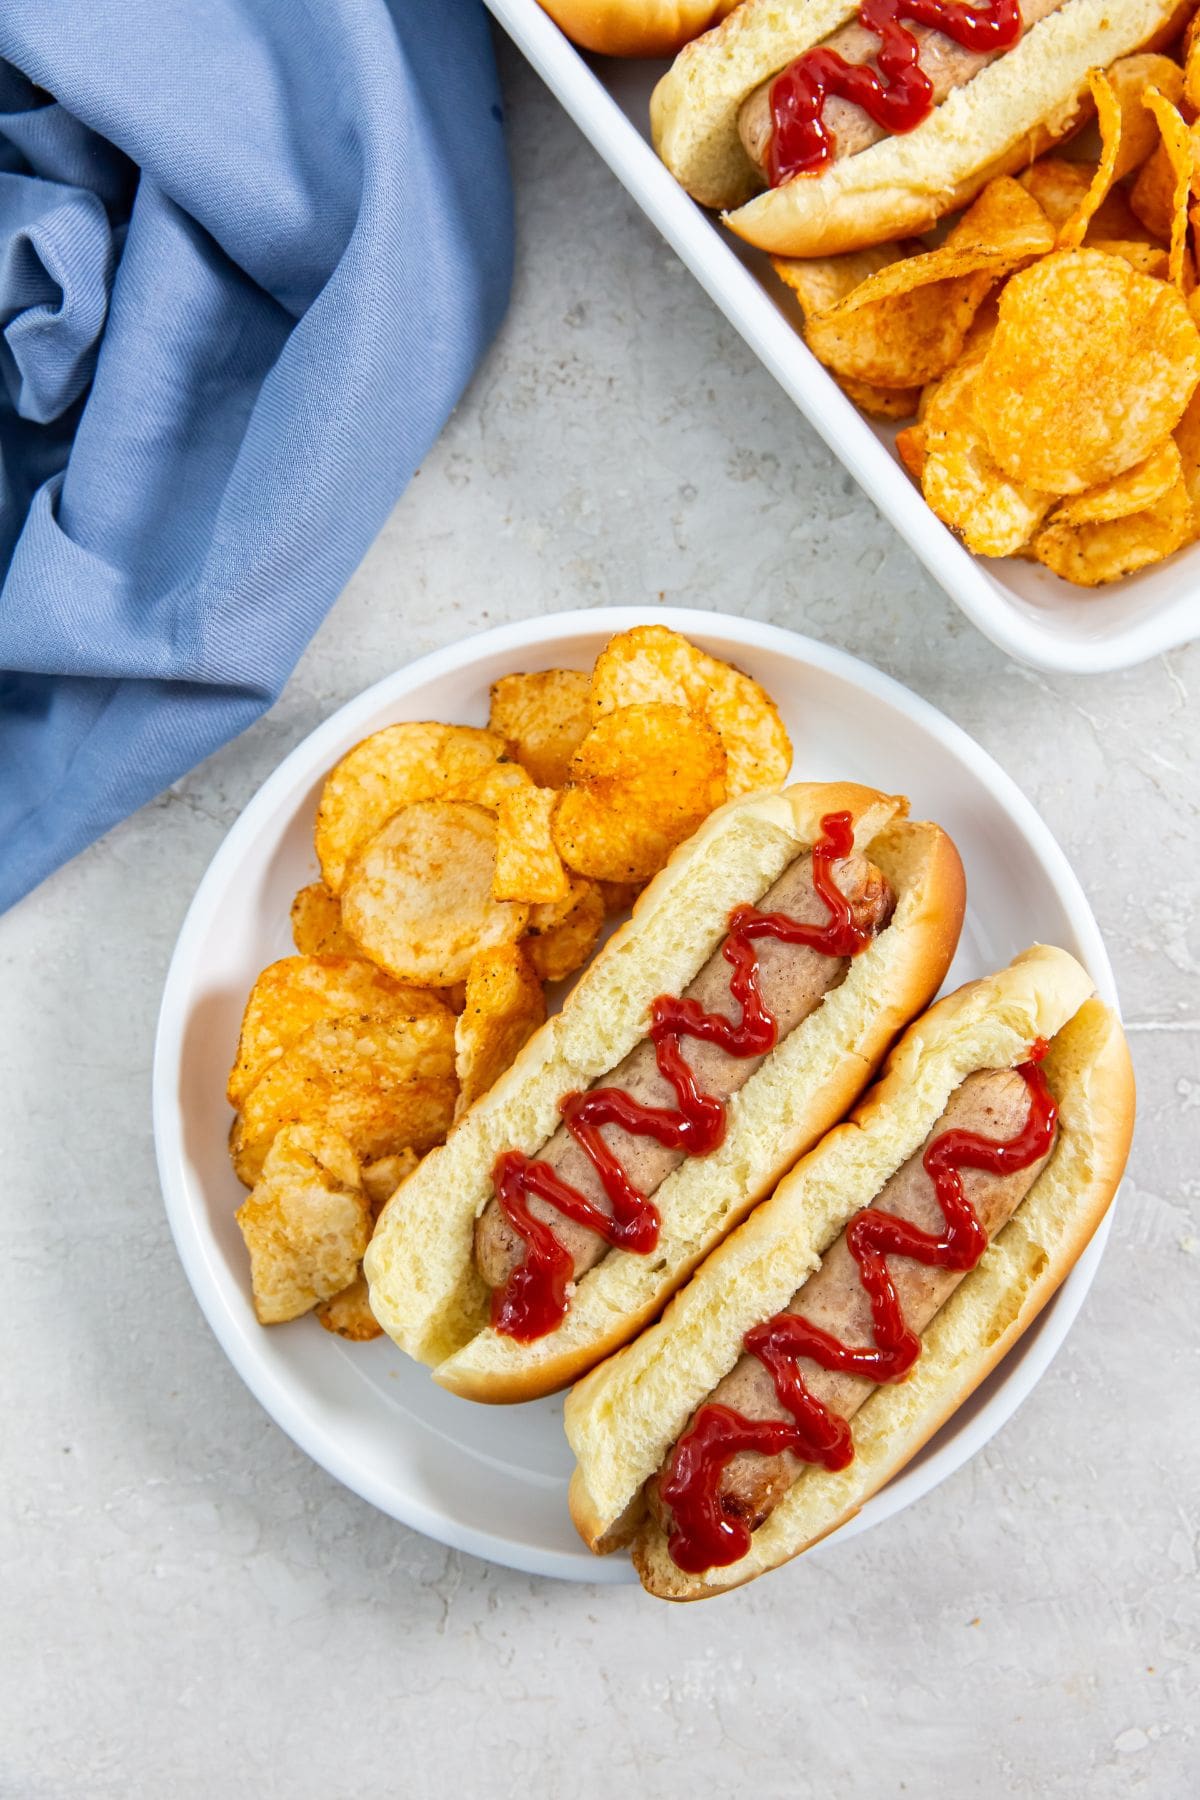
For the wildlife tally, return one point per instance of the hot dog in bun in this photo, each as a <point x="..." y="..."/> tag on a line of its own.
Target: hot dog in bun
<point x="823" y="126"/>
<point x="829" y="1336"/>
<point x="714" y="1039"/>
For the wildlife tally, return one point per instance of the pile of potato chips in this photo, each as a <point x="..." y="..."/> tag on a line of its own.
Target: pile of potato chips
<point x="461" y="869"/>
<point x="1048" y="346"/>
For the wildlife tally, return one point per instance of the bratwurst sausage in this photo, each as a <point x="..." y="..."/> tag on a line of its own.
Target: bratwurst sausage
<point x="793" y="980"/>
<point x="993" y="1103"/>
<point x="947" y="64"/>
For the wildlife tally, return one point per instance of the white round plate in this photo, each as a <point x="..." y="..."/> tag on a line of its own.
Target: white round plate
<point x="493" y="1480"/>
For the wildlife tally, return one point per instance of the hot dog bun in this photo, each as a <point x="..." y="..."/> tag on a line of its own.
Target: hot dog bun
<point x="426" y="1290"/>
<point x="623" y="1419"/>
<point x="1012" y="110"/>
<point x="635" y="27"/>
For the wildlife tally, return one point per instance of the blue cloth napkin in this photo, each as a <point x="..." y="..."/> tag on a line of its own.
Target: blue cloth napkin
<point x="250" y="252"/>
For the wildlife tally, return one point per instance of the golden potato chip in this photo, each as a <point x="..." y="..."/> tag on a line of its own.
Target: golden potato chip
<point x="1090" y="555"/>
<point x="893" y="343"/>
<point x="454" y="996"/>
<point x="1189" y="87"/>
<point x="1187" y="442"/>
<point x="306" y="1223"/>
<point x="562" y="937"/>
<point x="960" y="480"/>
<point x="819" y="282"/>
<point x="545" y="717"/>
<point x="869" y="351"/>
<point x="905" y="323"/>
<point x="1129" y="79"/>
<point x="1177" y="147"/>
<point x="1150" y="259"/>
<point x="381" y="1178"/>
<point x="488" y="787"/>
<point x="910" y="448"/>
<point x="418" y="898"/>
<point x="348" y="1315"/>
<point x="1073" y="229"/>
<point x="505" y="1006"/>
<point x="296" y="992"/>
<point x="880" y="402"/>
<point x="385" y="1085"/>
<point x="654" y="664"/>
<point x="528" y="867"/>
<point x="1129" y="492"/>
<point x="1153" y="194"/>
<point x="644" y="778"/>
<point x="317" y="923"/>
<point x="618" y="896"/>
<point x="390" y="769"/>
<point x="983" y="329"/>
<point x="1090" y="367"/>
<point x="1003" y="227"/>
<point x="1061" y="187"/>
<point x="1058" y="186"/>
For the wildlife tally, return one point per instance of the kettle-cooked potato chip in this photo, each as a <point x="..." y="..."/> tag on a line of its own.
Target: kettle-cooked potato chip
<point x="528" y="867"/>
<point x="964" y="486"/>
<point x="1187" y="442"/>
<point x="384" y="1085"/>
<point x="1090" y="555"/>
<point x="545" y="717"/>
<point x="381" y="1178"/>
<point x="419" y="899"/>
<point x="1129" y="79"/>
<point x="490" y="787"/>
<point x="643" y="779"/>
<point x="910" y="448"/>
<point x="903" y="322"/>
<point x="1152" y="197"/>
<point x="296" y="992"/>
<point x="563" y="936"/>
<point x="1058" y="186"/>
<point x="893" y="343"/>
<point x="317" y="923"/>
<point x="505" y="1006"/>
<point x="1090" y="367"/>
<point x="654" y="664"/>
<point x="1148" y="259"/>
<point x="1002" y="228"/>
<point x="1074" y="228"/>
<point x="390" y="769"/>
<point x="306" y="1223"/>
<point x="1190" y="52"/>
<point x="880" y="402"/>
<point x="1181" y="156"/>
<point x="348" y="1314"/>
<point x="1129" y="492"/>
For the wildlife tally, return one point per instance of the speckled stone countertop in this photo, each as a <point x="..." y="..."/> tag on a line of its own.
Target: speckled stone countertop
<point x="191" y="1608"/>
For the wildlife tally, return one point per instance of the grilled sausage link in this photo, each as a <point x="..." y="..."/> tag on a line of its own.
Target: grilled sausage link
<point x="793" y="980"/>
<point x="995" y="1104"/>
<point x="947" y="64"/>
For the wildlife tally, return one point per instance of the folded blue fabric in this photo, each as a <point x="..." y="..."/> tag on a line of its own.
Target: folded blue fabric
<point x="250" y="252"/>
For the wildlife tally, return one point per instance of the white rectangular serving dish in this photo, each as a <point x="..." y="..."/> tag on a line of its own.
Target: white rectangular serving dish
<point x="1028" y="612"/>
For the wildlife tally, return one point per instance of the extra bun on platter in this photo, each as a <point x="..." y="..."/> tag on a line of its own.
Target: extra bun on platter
<point x="427" y="1289"/>
<point x="635" y="27"/>
<point x="1030" y="96"/>
<point x="624" y="1420"/>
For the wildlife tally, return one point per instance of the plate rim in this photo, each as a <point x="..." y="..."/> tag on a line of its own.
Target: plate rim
<point x="319" y="748"/>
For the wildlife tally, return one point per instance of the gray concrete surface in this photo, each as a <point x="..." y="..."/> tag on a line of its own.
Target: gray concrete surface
<point x="190" y="1608"/>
